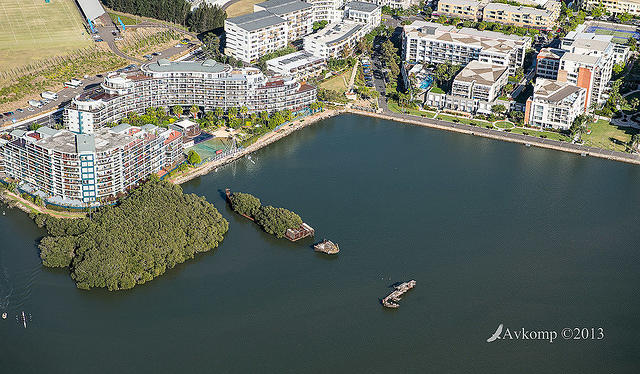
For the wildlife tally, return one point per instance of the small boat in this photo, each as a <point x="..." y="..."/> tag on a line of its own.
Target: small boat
<point x="4" y="315"/>
<point x="326" y="246"/>
<point x="24" y="320"/>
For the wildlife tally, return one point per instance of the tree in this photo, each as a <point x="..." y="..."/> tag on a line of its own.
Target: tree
<point x="276" y="221"/>
<point x="210" y="117"/>
<point x="243" y="111"/>
<point x="624" y="17"/>
<point x="194" y="110"/>
<point x="618" y="68"/>
<point x="38" y="201"/>
<point x="162" y="227"/>
<point x="193" y="157"/>
<point x="578" y="125"/>
<point x="598" y="11"/>
<point x="206" y="17"/>
<point x="319" y="25"/>
<point x="634" y="143"/>
<point x="232" y="112"/>
<point x="219" y="112"/>
<point x="244" y="203"/>
<point x="498" y="109"/>
<point x="177" y="110"/>
<point x="389" y="51"/>
<point x="211" y="45"/>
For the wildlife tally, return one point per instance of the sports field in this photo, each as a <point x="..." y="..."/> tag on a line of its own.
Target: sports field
<point x="33" y="29"/>
<point x="241" y="7"/>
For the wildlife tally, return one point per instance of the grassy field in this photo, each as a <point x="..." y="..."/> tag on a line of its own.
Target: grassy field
<point x="33" y="29"/>
<point x="241" y="7"/>
<point x="467" y="121"/>
<point x="394" y="107"/>
<point x="337" y="83"/>
<point x="541" y="134"/>
<point x="127" y="20"/>
<point x="607" y="136"/>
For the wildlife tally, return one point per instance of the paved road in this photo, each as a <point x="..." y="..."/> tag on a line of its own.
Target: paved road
<point x="66" y="94"/>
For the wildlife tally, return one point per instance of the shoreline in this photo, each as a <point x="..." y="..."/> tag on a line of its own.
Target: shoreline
<point x="418" y="121"/>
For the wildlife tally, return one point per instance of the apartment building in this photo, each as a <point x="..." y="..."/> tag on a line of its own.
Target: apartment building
<point x="299" y="15"/>
<point x="301" y="64"/>
<point x="587" y="31"/>
<point x="522" y="16"/>
<point x="335" y="39"/>
<point x="251" y="36"/>
<point x="327" y="10"/>
<point x="69" y="168"/>
<point x="163" y="83"/>
<point x="368" y="14"/>
<point x="397" y="4"/>
<point x="614" y="6"/>
<point x="586" y="63"/>
<point x="548" y="62"/>
<point x="555" y="104"/>
<point x="432" y="43"/>
<point x="480" y="81"/>
<point x="470" y="10"/>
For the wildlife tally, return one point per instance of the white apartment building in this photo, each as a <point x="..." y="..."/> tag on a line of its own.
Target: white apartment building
<point x="474" y="90"/>
<point x="327" y="10"/>
<point x="299" y="15"/>
<point x="586" y="31"/>
<point x="432" y="43"/>
<point x="555" y="104"/>
<point x="397" y="4"/>
<point x="209" y="85"/>
<point x="368" y="14"/>
<point x="301" y="64"/>
<point x="586" y="63"/>
<point x="334" y="39"/>
<point x="480" y="81"/>
<point x="253" y="35"/>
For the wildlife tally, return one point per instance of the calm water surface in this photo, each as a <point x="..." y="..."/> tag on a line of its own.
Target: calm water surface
<point x="493" y="232"/>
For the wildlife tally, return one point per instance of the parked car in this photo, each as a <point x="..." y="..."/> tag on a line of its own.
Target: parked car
<point x="118" y="38"/>
<point x="148" y="57"/>
<point x="30" y="109"/>
<point x="99" y="40"/>
<point x="156" y="53"/>
<point x="19" y="110"/>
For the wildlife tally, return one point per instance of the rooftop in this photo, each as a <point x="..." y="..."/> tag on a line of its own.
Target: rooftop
<point x="576" y="57"/>
<point x="165" y="66"/>
<point x="461" y="2"/>
<point x="256" y="21"/>
<point x="68" y="142"/>
<point x="554" y="91"/>
<point x="361" y="6"/>
<point x="336" y="32"/>
<point x="282" y="7"/>
<point x="521" y="9"/>
<point x="294" y="59"/>
<point x="551" y="53"/>
<point x="481" y="73"/>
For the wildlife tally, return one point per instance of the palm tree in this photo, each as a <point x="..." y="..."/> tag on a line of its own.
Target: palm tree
<point x="232" y="112"/>
<point x="194" y="111"/>
<point x="243" y="111"/>
<point x="177" y="110"/>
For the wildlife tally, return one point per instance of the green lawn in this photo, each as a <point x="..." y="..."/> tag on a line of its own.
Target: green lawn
<point x="468" y="121"/>
<point x="336" y="83"/>
<point x="607" y="136"/>
<point x="394" y="107"/>
<point x="31" y="30"/>
<point x="504" y="125"/>
<point x="545" y="134"/>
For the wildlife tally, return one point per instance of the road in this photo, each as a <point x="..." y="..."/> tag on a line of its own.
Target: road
<point x="67" y="94"/>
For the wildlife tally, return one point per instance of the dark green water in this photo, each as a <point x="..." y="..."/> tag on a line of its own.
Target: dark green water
<point x="493" y="232"/>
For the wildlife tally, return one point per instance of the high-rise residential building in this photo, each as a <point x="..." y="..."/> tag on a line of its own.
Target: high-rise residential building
<point x="165" y="84"/>
<point x="251" y="36"/>
<point x="68" y="168"/>
<point x="368" y="14"/>
<point x="586" y="63"/>
<point x="299" y="15"/>
<point x="555" y="104"/>
<point x="480" y="81"/>
<point x="301" y="64"/>
<point x="327" y="10"/>
<point x="432" y="43"/>
<point x="335" y="40"/>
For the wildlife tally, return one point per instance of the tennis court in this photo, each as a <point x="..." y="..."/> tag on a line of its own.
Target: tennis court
<point x="207" y="149"/>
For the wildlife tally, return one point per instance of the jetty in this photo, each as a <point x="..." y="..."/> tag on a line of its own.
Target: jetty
<point x="327" y="246"/>
<point x="391" y="301"/>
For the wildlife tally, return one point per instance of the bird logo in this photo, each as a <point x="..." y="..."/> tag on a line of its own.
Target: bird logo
<point x="496" y="335"/>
